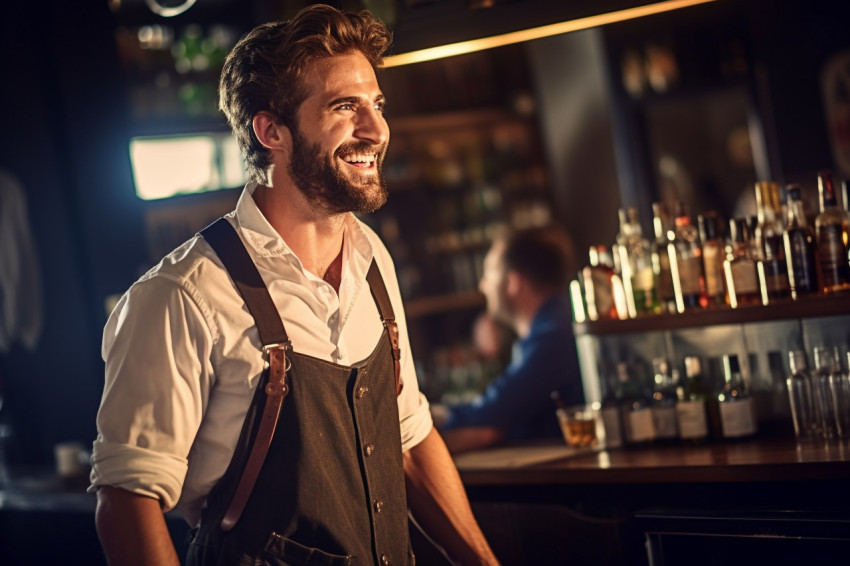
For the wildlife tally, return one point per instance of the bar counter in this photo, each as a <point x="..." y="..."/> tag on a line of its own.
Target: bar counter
<point x="755" y="501"/>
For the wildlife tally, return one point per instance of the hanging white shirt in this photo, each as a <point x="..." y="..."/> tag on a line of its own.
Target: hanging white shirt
<point x="183" y="356"/>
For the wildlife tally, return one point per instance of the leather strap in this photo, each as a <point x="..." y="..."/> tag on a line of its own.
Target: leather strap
<point x="382" y="298"/>
<point x="225" y="241"/>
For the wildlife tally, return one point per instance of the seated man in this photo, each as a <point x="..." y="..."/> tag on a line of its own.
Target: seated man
<point x="526" y="275"/>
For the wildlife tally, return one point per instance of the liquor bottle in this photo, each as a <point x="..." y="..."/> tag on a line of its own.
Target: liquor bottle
<point x="664" y="403"/>
<point x="661" y="259"/>
<point x="636" y="260"/>
<point x="832" y="229"/>
<point x="713" y="254"/>
<point x="611" y="414"/>
<point x="770" y="259"/>
<point x="739" y="268"/>
<point x="691" y="406"/>
<point x="826" y="366"/>
<point x="603" y="289"/>
<point x="737" y="414"/>
<point x="800" y="247"/>
<point x="800" y="396"/>
<point x="635" y="408"/>
<point x="686" y="263"/>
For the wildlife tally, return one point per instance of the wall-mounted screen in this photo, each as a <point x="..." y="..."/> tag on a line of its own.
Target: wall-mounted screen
<point x="167" y="166"/>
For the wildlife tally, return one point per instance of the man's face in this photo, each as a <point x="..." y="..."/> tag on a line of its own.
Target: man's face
<point x="494" y="284"/>
<point x="341" y="137"/>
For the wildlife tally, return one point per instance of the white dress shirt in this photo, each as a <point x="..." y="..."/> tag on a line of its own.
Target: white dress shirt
<point x="183" y="356"/>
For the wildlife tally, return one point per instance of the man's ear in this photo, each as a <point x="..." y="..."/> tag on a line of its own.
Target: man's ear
<point x="514" y="283"/>
<point x="271" y="133"/>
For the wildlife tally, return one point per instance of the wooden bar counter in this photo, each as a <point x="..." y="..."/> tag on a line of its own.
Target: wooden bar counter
<point x="761" y="500"/>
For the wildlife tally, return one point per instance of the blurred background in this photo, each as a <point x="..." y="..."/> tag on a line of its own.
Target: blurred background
<point x="113" y="152"/>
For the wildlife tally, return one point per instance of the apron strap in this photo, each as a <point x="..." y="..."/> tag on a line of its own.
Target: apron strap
<point x="224" y="240"/>
<point x="382" y="298"/>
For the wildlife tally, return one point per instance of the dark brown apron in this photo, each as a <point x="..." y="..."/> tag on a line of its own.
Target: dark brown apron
<point x="330" y="488"/>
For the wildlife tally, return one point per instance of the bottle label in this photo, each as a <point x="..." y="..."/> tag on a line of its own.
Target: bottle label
<point x="800" y="257"/>
<point x="613" y="428"/>
<point x="693" y="422"/>
<point x="737" y="418"/>
<point x="665" y="278"/>
<point x="713" y="265"/>
<point x="744" y="277"/>
<point x="835" y="269"/>
<point x="690" y="270"/>
<point x="641" y="425"/>
<point x="664" y="421"/>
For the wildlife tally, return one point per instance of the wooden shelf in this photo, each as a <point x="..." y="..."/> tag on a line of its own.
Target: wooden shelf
<point x="827" y="305"/>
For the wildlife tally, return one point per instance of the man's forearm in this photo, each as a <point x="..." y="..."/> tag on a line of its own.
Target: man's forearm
<point x="439" y="503"/>
<point x="132" y="529"/>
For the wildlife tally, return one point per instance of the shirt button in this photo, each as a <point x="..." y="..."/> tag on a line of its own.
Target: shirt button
<point x="385" y="560"/>
<point x="379" y="505"/>
<point x="369" y="449"/>
<point x="361" y="391"/>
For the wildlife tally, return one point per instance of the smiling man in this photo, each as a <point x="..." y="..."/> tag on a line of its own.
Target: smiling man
<point x="259" y="378"/>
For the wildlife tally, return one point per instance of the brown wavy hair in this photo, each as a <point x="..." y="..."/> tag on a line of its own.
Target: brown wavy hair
<point x="264" y="69"/>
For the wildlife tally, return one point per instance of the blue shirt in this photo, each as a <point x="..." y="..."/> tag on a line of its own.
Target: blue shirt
<point x="519" y="400"/>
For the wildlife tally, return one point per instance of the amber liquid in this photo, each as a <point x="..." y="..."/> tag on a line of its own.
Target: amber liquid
<point x="579" y="431"/>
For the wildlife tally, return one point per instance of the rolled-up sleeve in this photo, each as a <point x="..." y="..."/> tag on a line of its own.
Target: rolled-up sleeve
<point x="156" y="346"/>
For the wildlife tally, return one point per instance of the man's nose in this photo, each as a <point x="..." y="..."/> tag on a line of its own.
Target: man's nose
<point x="372" y="127"/>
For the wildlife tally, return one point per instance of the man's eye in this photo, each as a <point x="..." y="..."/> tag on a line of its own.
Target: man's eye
<point x="345" y="106"/>
<point x="380" y="107"/>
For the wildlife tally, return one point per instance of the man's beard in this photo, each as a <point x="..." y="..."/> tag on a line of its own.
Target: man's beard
<point x="325" y="185"/>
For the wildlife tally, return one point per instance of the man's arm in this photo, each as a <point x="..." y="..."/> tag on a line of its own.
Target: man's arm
<point x="132" y="529"/>
<point x="439" y="504"/>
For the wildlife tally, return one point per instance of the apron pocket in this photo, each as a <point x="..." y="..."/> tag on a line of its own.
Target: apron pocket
<point x="281" y="551"/>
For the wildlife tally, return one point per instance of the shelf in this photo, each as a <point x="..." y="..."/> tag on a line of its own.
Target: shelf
<point x="828" y="305"/>
<point x="443" y="303"/>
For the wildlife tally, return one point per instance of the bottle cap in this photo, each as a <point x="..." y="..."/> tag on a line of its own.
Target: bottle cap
<point x="794" y="192"/>
<point x="730" y="364"/>
<point x="708" y="226"/>
<point x="739" y="231"/>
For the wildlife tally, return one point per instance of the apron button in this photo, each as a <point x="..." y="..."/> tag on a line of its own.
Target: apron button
<point x="379" y="505"/>
<point x="370" y="448"/>
<point x="385" y="560"/>
<point x="362" y="391"/>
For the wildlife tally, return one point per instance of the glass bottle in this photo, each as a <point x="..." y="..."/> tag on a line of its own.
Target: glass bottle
<point x="691" y="406"/>
<point x="771" y="265"/>
<point x="739" y="268"/>
<point x="737" y="414"/>
<point x="832" y="229"/>
<point x="636" y="259"/>
<point x="826" y="365"/>
<point x="686" y="263"/>
<point x="661" y="259"/>
<point x="611" y="414"/>
<point x="603" y="289"/>
<point x="713" y="254"/>
<point x="635" y="408"/>
<point x="800" y="247"/>
<point x="839" y="384"/>
<point x="664" y="402"/>
<point x="803" y="412"/>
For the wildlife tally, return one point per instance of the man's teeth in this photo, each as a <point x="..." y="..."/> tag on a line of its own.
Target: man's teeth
<point x="359" y="158"/>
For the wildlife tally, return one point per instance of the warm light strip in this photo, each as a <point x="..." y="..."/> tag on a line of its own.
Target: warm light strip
<point x="536" y="33"/>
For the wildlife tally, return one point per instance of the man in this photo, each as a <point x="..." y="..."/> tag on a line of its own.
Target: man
<point x="526" y="274"/>
<point x="184" y="354"/>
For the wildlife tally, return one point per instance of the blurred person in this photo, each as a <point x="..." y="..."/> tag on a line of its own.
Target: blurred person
<point x="191" y="375"/>
<point x="525" y="280"/>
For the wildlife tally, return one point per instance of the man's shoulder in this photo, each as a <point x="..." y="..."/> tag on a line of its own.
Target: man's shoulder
<point x="191" y="262"/>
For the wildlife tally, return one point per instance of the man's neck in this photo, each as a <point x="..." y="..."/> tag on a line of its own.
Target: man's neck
<point x="315" y="238"/>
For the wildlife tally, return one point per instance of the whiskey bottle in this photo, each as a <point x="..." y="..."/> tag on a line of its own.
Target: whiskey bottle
<point x="636" y="252"/>
<point x="664" y="402"/>
<point x="713" y="254"/>
<point x="661" y="259"/>
<point x="635" y="408"/>
<point x="691" y="406"/>
<point x="803" y="412"/>
<point x="800" y="247"/>
<point x="686" y="263"/>
<point x="737" y="414"/>
<point x="603" y="289"/>
<point x="739" y="268"/>
<point x="770" y="261"/>
<point x="832" y="229"/>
